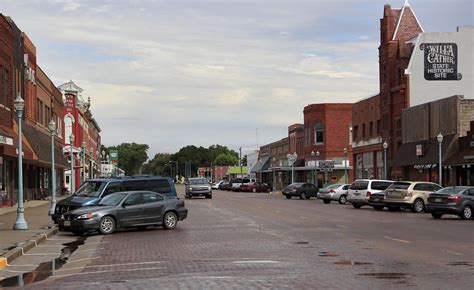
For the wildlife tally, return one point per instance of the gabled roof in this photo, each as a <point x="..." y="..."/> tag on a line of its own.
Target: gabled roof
<point x="408" y="25"/>
<point x="70" y="87"/>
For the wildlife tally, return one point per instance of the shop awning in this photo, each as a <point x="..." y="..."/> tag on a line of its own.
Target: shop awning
<point x="9" y="144"/>
<point x="424" y="152"/>
<point x="261" y="164"/>
<point x="41" y="144"/>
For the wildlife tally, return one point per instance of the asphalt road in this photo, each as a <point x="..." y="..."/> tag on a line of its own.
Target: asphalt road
<point x="252" y="240"/>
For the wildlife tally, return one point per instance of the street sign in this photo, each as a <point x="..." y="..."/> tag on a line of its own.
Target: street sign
<point x="291" y="158"/>
<point x="114" y="156"/>
<point x="326" y="164"/>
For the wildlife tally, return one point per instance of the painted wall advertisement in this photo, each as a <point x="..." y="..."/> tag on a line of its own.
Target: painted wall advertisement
<point x="441" y="61"/>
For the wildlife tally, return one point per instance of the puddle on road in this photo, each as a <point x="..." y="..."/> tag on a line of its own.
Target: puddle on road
<point x="327" y="254"/>
<point x="468" y="264"/>
<point x="350" y="263"/>
<point x="394" y="276"/>
<point x="45" y="269"/>
<point x="301" y="243"/>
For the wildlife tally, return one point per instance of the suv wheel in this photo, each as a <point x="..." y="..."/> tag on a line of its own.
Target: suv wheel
<point x="466" y="213"/>
<point x="418" y="206"/>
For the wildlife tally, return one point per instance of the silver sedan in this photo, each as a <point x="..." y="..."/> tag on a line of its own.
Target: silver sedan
<point x="336" y="192"/>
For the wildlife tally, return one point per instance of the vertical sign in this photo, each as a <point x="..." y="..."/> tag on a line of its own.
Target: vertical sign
<point x="441" y="61"/>
<point x="114" y="157"/>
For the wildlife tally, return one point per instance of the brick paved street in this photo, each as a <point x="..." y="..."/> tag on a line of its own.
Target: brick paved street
<point x="247" y="240"/>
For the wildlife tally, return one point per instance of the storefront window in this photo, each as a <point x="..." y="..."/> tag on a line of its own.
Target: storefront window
<point x="368" y="165"/>
<point x="379" y="163"/>
<point x="359" y="168"/>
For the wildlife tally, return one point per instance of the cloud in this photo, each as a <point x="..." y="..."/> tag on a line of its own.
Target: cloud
<point x="172" y="73"/>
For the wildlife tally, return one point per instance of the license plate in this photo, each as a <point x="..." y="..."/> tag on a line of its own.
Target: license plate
<point x="437" y="199"/>
<point x="356" y="193"/>
<point x="377" y="199"/>
<point x="67" y="223"/>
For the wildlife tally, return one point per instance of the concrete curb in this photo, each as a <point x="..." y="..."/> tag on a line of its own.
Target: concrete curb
<point x="18" y="251"/>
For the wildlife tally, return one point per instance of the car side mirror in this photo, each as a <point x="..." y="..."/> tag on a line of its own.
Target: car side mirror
<point x="125" y="204"/>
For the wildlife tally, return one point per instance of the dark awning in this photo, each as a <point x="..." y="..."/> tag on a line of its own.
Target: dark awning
<point x="261" y="164"/>
<point x="41" y="144"/>
<point x="429" y="153"/>
<point x="299" y="163"/>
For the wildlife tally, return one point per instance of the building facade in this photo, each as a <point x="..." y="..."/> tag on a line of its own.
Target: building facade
<point x="326" y="138"/>
<point x="85" y="146"/>
<point x="441" y="65"/>
<point x="419" y="154"/>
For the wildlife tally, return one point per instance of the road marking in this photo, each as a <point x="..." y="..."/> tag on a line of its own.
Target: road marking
<point x="111" y="265"/>
<point x="342" y="227"/>
<point x="80" y="260"/>
<point x="303" y="217"/>
<point x="397" y="240"/>
<point x="108" y="271"/>
<point x="256" y="262"/>
<point x="454" y="253"/>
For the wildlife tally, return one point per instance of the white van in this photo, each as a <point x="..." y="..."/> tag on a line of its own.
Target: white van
<point x="360" y="190"/>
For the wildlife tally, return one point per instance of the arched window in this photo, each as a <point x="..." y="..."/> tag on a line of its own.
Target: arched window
<point x="67" y="127"/>
<point x="319" y="133"/>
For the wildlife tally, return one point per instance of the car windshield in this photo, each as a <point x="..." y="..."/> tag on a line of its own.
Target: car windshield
<point x="198" y="181"/>
<point x="113" y="199"/>
<point x="450" y="190"/>
<point x="295" y="185"/>
<point x="332" y="186"/>
<point x="90" y="189"/>
<point x="399" y="185"/>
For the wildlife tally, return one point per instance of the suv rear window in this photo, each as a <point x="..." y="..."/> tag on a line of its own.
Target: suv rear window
<point x="400" y="185"/>
<point x="359" y="185"/>
<point x="160" y="185"/>
<point x="380" y="185"/>
<point x="130" y="185"/>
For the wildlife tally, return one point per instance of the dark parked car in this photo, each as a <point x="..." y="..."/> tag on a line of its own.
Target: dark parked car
<point x="126" y="209"/>
<point x="92" y="191"/>
<point x="376" y="200"/>
<point x="458" y="200"/>
<point x="224" y="185"/>
<point x="301" y="190"/>
<point x="256" y="187"/>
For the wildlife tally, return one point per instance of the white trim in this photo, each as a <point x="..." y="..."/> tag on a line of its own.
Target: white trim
<point x="406" y="4"/>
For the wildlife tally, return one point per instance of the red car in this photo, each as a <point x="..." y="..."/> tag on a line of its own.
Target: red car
<point x="256" y="187"/>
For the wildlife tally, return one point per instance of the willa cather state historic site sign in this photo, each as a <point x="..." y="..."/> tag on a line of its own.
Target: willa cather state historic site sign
<point x="441" y="61"/>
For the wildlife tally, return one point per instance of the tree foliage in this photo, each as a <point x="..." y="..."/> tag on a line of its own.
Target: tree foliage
<point x="159" y="165"/>
<point x="131" y="156"/>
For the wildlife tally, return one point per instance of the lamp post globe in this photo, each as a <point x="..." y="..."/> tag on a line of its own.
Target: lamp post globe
<point x="20" y="223"/>
<point x="52" y="131"/>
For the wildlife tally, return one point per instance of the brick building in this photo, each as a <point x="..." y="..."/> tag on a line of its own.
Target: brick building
<point x="366" y="139"/>
<point x="327" y="130"/>
<point x="79" y="122"/>
<point x="397" y="28"/>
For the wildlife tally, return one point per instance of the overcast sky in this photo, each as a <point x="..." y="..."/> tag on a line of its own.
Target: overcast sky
<point x="174" y="73"/>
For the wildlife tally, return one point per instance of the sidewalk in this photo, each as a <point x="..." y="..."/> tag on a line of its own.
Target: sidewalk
<point x="39" y="223"/>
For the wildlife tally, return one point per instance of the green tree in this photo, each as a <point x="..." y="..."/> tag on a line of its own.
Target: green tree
<point x="159" y="165"/>
<point x="131" y="156"/>
<point x="226" y="159"/>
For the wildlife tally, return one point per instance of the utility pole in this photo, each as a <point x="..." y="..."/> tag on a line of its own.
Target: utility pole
<point x="240" y="161"/>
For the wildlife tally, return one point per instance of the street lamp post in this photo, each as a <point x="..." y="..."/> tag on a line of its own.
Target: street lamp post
<point x="440" y="141"/>
<point x="292" y="159"/>
<point x="91" y="165"/>
<point x="20" y="223"/>
<point x="385" y="147"/>
<point x="52" y="130"/>
<point x="345" y="165"/>
<point x="83" y="162"/>
<point x="273" y="167"/>
<point x="71" y="141"/>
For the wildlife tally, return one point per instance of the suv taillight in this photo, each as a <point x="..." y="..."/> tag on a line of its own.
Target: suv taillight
<point x="332" y="190"/>
<point x="368" y="194"/>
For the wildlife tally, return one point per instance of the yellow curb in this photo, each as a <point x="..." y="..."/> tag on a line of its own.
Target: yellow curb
<point x="3" y="263"/>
